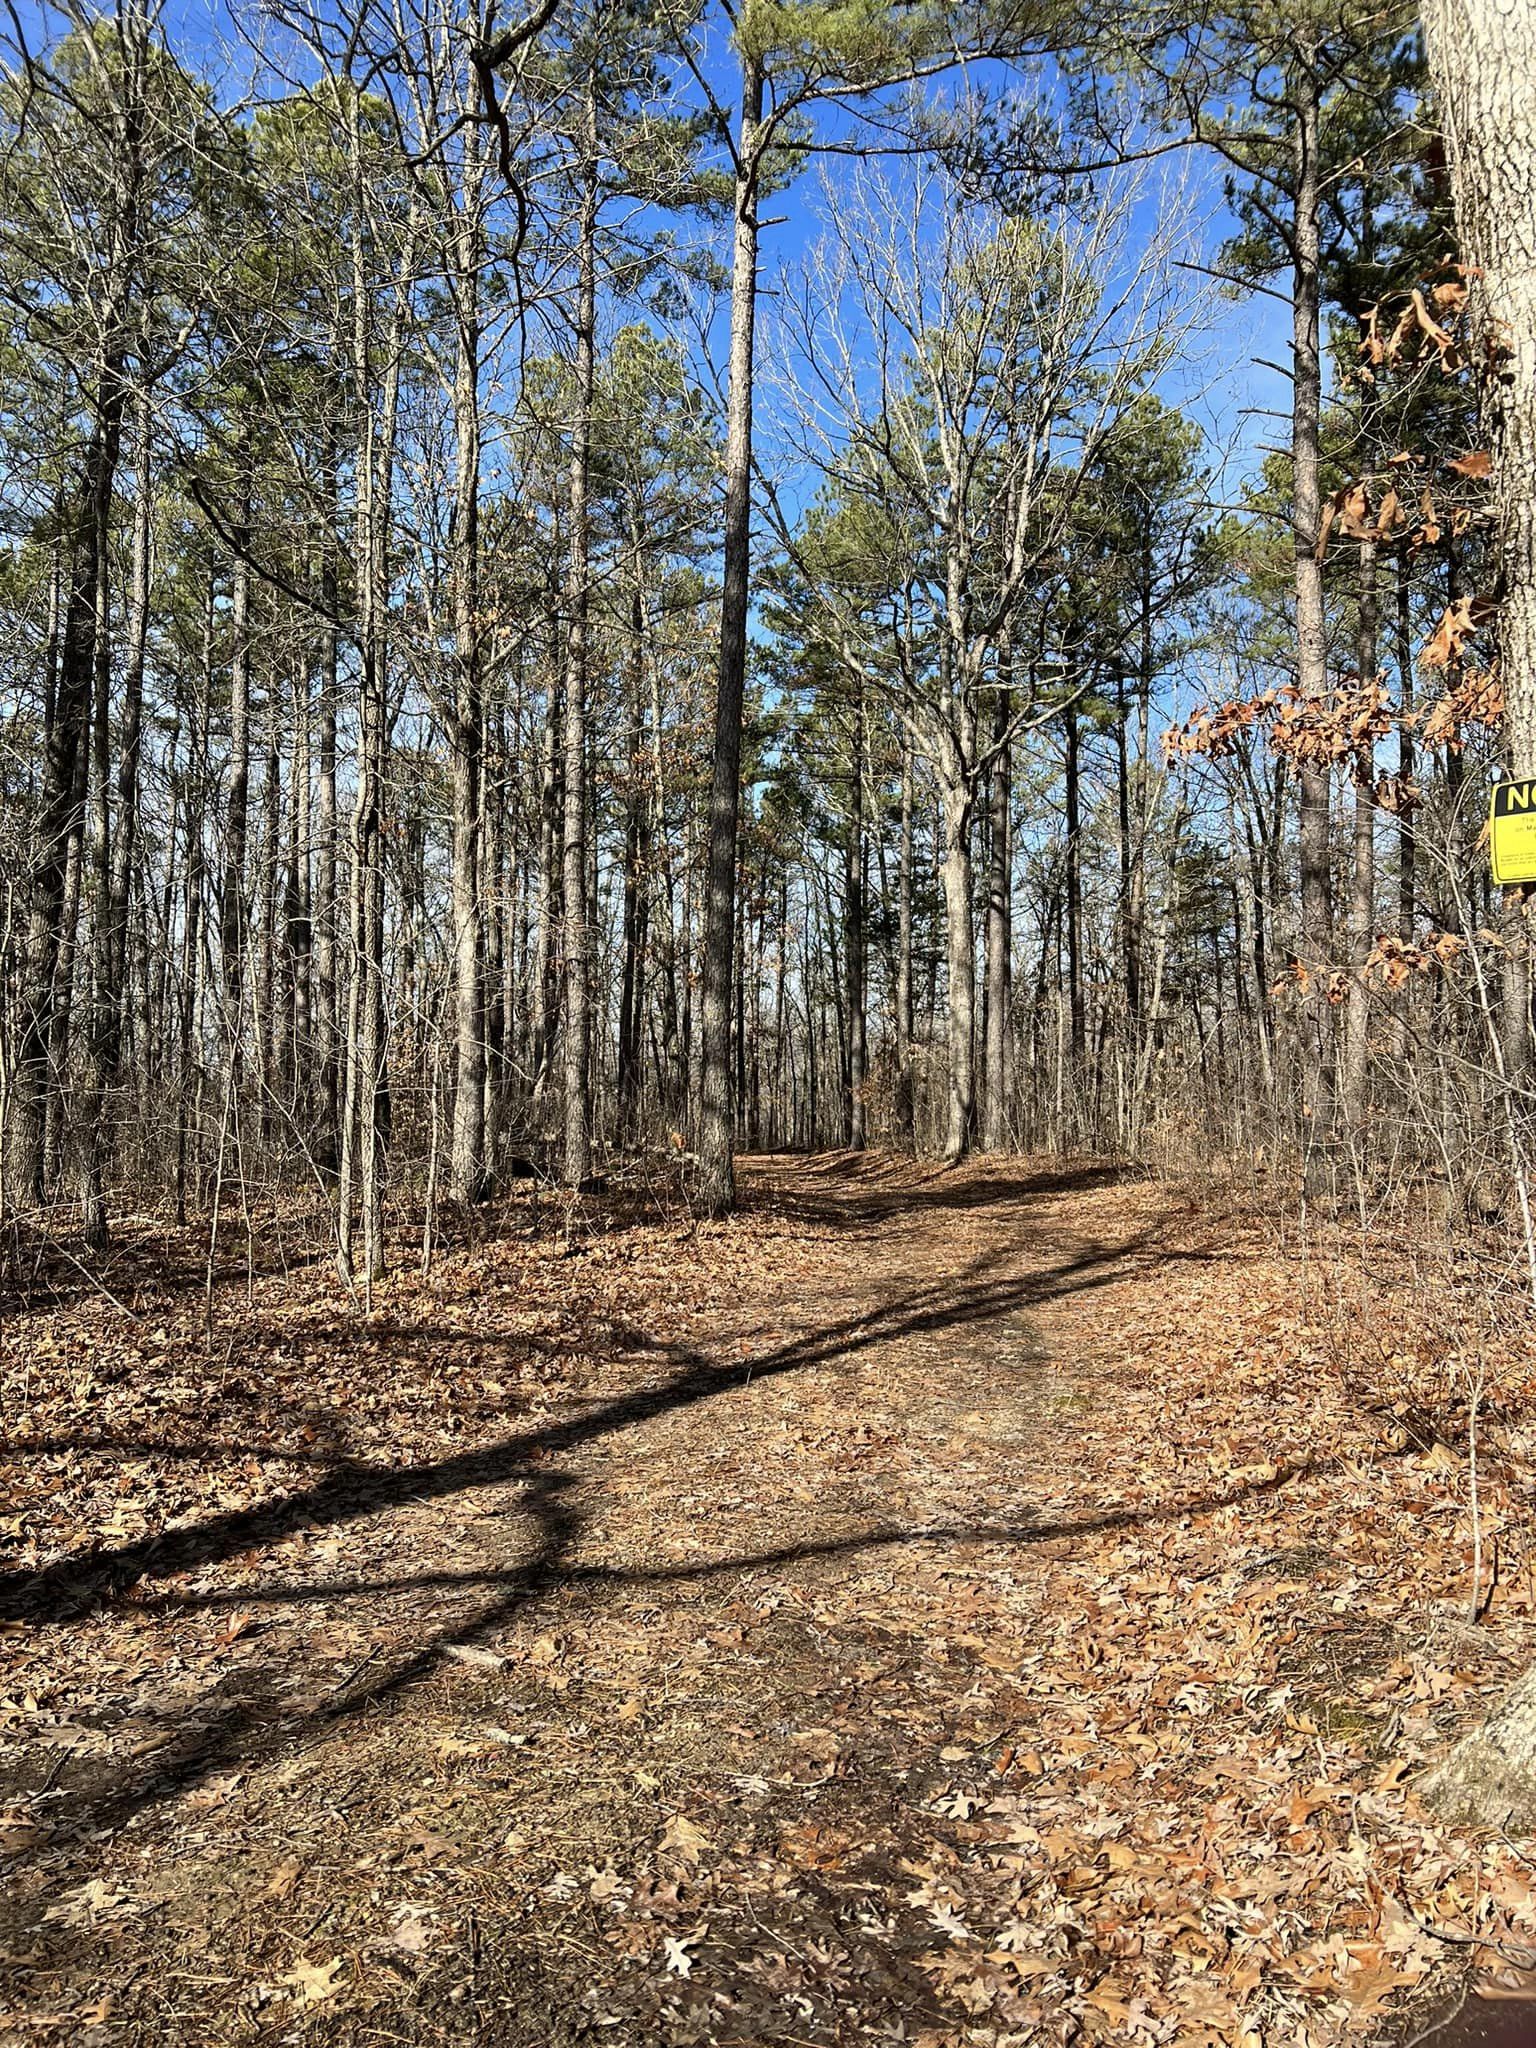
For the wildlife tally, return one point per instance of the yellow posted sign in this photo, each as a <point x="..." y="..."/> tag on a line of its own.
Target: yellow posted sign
<point x="1512" y="833"/>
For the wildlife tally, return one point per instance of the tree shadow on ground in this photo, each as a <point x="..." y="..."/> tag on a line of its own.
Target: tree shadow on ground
<point x="356" y="1487"/>
<point x="865" y="1191"/>
<point x="247" y="1718"/>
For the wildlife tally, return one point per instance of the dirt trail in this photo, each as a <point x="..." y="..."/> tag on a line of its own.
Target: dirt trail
<point x="805" y="1663"/>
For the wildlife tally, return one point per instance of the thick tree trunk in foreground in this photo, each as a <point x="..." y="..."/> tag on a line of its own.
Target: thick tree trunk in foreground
<point x="1490" y="1776"/>
<point x="1484" y="63"/>
<point x="717" y="1180"/>
<point x="1482" y="57"/>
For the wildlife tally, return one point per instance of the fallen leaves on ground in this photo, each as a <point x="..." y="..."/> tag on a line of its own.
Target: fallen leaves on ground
<point x="987" y="1606"/>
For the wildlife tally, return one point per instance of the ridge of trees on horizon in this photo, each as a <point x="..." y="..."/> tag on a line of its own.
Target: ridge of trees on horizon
<point x="485" y="682"/>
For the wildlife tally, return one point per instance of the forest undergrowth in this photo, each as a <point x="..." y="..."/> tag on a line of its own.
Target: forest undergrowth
<point x="1010" y="1605"/>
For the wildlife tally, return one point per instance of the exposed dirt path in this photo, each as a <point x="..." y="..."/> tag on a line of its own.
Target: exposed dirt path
<point x="851" y="1623"/>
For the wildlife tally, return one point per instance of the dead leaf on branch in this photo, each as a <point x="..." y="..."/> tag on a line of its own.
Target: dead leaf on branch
<point x="1349" y="510"/>
<point x="1396" y="960"/>
<point x="1417" y="320"/>
<point x="1459" y="623"/>
<point x="1477" y="699"/>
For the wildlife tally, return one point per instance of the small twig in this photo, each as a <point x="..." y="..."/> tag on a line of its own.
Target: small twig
<point x="1455" y="1938"/>
<point x="61" y="1757"/>
<point x="100" y="1285"/>
<point x="356" y="1672"/>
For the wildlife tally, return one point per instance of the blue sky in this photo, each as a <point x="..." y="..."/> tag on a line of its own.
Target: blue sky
<point x="1221" y="382"/>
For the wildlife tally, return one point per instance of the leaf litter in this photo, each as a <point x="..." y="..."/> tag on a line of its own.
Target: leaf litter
<point x="950" y="1609"/>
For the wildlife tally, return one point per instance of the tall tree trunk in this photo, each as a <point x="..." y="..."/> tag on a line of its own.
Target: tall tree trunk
<point x="1407" y="862"/>
<point x="855" y="935"/>
<point x="717" y="1181"/>
<point x="1130" y="948"/>
<point x="121" y="211"/>
<point x="364" y="1120"/>
<point x="93" y="1091"/>
<point x="1483" y="59"/>
<point x="61" y="1105"/>
<point x="55" y="882"/>
<point x="1311" y="623"/>
<point x="116" y="850"/>
<point x="1484" y="63"/>
<point x="577" y="1160"/>
<point x="960" y="928"/>
<point x="500" y="968"/>
<point x="999" y="931"/>
<point x="637" y="811"/>
<point x="1140" y="809"/>
<point x="237" y="813"/>
<point x="467" y="1177"/>
<point x="130" y="746"/>
<point x="298" y="906"/>
<point x="264" y="1005"/>
<point x="327" y="1139"/>
<point x="1074" y="877"/>
<point x="906" y="1107"/>
<point x="1362" y="900"/>
<point x="1490" y="128"/>
<point x="189" y="972"/>
<point x="672" y="1068"/>
<point x="546" y="974"/>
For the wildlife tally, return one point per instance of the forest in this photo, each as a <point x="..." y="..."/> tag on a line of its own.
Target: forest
<point x="767" y="1069"/>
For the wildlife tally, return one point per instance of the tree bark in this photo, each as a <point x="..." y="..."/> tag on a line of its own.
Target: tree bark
<point x="236" y="817"/>
<point x="546" y="971"/>
<point x="1362" y="900"/>
<point x="54" y="895"/>
<point x="467" y="1171"/>
<point x="264" y="1004"/>
<point x="999" y="934"/>
<point x="717" y="1181"/>
<point x="637" y="811"/>
<point x="577" y="1159"/>
<point x="327" y="1010"/>
<point x="1483" y="60"/>
<point x="1074" y="865"/>
<point x="905" y="1109"/>
<point x="364" y="1115"/>
<point x="855" y="937"/>
<point x="117" y="849"/>
<point x="1311" y="623"/>
<point x="960" y="930"/>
